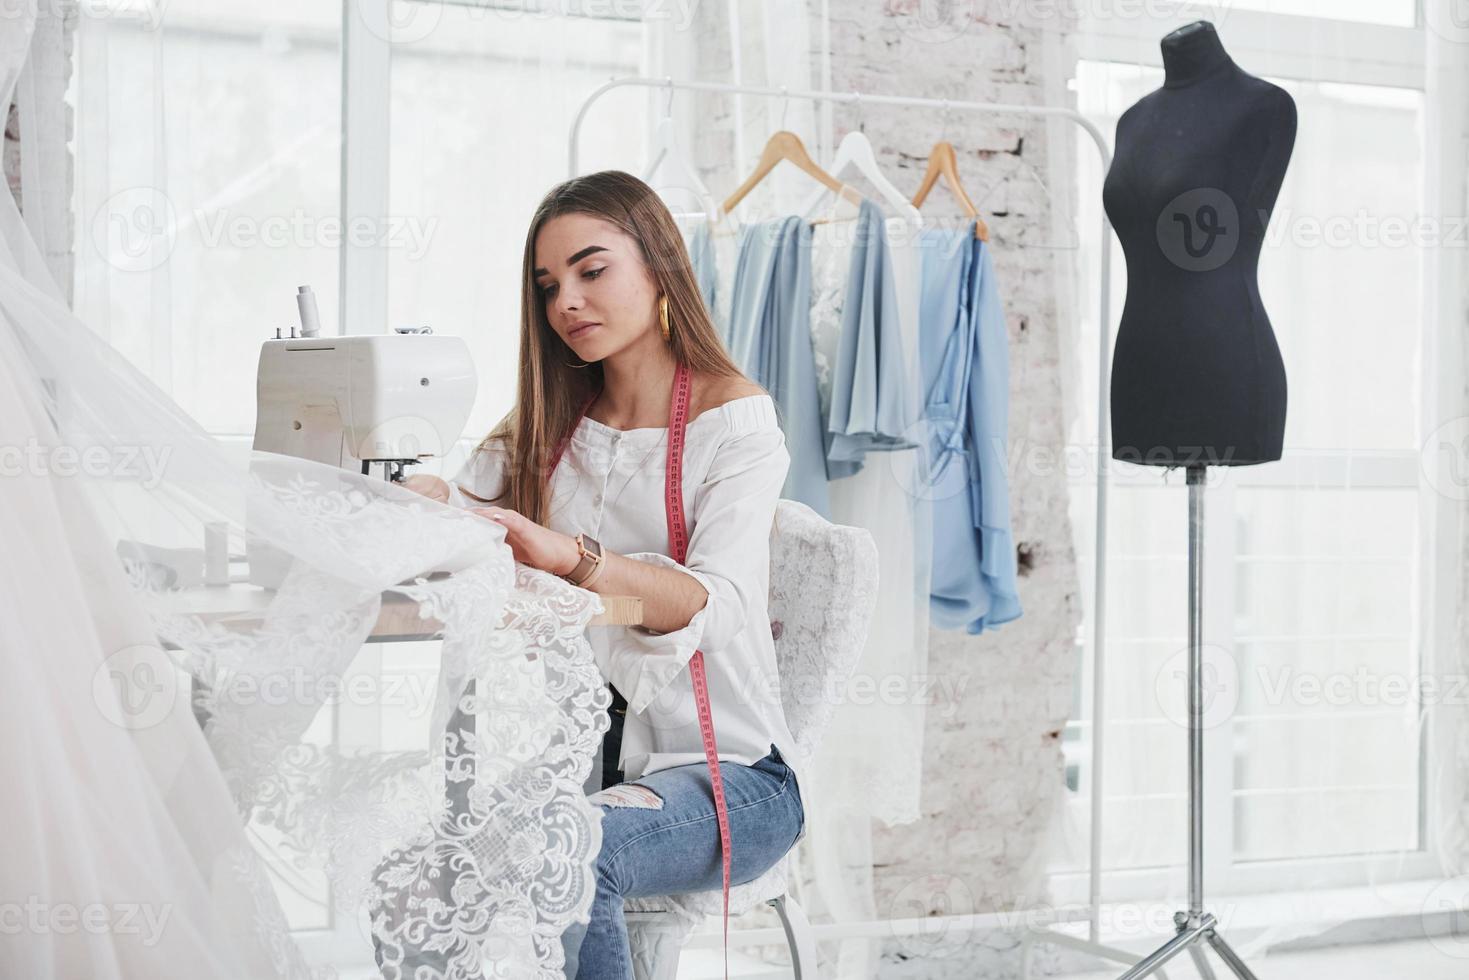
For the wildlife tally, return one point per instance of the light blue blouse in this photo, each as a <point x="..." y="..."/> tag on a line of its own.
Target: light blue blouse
<point x="869" y="398"/>
<point x="706" y="274"/>
<point x="769" y="337"/>
<point x="964" y="361"/>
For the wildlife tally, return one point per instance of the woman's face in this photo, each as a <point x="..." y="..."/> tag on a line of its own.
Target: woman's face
<point x="599" y="296"/>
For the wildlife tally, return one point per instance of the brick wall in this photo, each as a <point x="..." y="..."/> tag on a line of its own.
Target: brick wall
<point x="993" y="768"/>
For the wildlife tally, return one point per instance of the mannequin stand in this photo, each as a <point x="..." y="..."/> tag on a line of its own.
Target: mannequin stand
<point x="1195" y="924"/>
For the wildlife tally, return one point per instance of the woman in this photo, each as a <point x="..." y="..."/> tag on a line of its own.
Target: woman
<point x="610" y="313"/>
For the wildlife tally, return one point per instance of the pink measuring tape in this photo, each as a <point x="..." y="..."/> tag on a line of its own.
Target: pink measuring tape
<point x="678" y="545"/>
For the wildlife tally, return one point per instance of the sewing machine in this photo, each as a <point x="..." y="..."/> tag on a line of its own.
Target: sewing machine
<point x="352" y="401"/>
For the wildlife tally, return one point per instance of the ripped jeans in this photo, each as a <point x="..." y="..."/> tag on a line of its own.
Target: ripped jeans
<point x="667" y="841"/>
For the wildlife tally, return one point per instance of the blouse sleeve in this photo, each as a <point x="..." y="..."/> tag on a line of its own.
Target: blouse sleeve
<point x="869" y="400"/>
<point x="728" y="554"/>
<point x="481" y="476"/>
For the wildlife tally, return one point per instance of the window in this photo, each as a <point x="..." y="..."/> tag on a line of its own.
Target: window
<point x="215" y="184"/>
<point x="481" y="109"/>
<point x="221" y="165"/>
<point x="459" y="112"/>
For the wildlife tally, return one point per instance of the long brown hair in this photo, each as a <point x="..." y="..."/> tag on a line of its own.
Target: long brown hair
<point x="550" y="392"/>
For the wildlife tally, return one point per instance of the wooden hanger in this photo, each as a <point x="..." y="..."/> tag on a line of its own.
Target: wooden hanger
<point x="942" y="162"/>
<point x="786" y="145"/>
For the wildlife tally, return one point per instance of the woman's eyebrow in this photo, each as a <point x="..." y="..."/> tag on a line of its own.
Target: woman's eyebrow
<point x="590" y="249"/>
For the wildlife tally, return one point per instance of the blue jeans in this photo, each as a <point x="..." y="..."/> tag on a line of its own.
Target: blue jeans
<point x="648" y="852"/>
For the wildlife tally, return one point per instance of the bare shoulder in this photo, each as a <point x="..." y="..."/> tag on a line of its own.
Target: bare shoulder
<point x="711" y="392"/>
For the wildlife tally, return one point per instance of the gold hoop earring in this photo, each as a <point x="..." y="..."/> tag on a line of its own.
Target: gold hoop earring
<point x="663" y="316"/>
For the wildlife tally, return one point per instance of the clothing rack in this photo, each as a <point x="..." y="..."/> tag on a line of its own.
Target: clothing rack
<point x="1094" y="889"/>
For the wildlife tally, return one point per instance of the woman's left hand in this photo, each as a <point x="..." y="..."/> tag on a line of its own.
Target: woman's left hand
<point x="540" y="547"/>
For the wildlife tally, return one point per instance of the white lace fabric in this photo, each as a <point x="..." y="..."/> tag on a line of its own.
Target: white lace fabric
<point x="831" y="259"/>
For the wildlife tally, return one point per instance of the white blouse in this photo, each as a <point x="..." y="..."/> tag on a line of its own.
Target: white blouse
<point x="610" y="485"/>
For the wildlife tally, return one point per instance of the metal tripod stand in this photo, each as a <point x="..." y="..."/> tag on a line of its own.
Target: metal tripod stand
<point x="1194" y="925"/>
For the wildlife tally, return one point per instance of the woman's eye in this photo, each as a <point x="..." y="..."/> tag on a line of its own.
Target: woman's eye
<point x="550" y="290"/>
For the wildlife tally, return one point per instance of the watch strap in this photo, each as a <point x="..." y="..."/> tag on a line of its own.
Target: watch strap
<point x="587" y="565"/>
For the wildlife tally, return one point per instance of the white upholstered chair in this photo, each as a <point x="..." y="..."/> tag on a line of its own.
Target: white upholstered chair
<point x="823" y="584"/>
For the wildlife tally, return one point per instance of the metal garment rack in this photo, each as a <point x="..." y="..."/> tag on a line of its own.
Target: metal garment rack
<point x="1093" y="943"/>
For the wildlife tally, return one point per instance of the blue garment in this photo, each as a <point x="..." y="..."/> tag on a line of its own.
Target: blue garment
<point x="964" y="361"/>
<point x="869" y="398"/>
<point x="769" y="338"/>
<point x="648" y="852"/>
<point x="706" y="274"/>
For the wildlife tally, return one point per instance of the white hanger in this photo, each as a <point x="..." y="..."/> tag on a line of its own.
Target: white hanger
<point x="684" y="176"/>
<point x="856" y="149"/>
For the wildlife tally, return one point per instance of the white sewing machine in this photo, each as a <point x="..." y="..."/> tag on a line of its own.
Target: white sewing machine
<point x="351" y="401"/>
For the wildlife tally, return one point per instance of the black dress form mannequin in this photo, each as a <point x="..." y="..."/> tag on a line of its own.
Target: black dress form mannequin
<point x="1197" y="377"/>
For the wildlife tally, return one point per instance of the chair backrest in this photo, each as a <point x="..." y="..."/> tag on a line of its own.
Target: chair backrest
<point x="823" y="585"/>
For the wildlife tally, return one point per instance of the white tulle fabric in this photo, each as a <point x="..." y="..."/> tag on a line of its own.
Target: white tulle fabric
<point x="823" y="585"/>
<point x="149" y="742"/>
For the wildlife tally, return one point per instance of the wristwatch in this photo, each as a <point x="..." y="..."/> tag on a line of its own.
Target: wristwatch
<point x="590" y="562"/>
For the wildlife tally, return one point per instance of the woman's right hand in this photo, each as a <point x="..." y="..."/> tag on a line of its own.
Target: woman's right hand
<point x="429" y="486"/>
